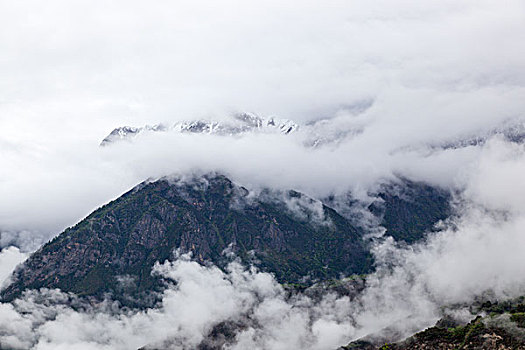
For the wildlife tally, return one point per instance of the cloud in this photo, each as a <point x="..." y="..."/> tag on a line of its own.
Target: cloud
<point x="407" y="293"/>
<point x="9" y="258"/>
<point x="393" y="77"/>
<point x="477" y="254"/>
<point x="141" y="62"/>
<point x="57" y="188"/>
<point x="202" y="297"/>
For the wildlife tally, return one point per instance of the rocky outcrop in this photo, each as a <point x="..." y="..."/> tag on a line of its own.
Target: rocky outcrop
<point x="502" y="328"/>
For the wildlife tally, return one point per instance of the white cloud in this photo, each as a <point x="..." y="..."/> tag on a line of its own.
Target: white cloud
<point x="435" y="72"/>
<point x="480" y="255"/>
<point x="9" y="258"/>
<point x="73" y="71"/>
<point x="203" y="297"/>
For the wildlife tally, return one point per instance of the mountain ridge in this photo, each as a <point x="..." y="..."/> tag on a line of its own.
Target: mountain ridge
<point x="238" y="124"/>
<point x="313" y="134"/>
<point x="145" y="225"/>
<point x="297" y="238"/>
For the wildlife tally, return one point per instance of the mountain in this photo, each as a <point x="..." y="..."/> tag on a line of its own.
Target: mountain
<point x="128" y="132"/>
<point x="297" y="238"/>
<point x="512" y="131"/>
<point x="407" y="209"/>
<point x="123" y="239"/>
<point x="314" y="134"/>
<point x="236" y="125"/>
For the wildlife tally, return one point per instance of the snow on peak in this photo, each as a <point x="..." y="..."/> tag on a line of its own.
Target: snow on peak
<point x="236" y="125"/>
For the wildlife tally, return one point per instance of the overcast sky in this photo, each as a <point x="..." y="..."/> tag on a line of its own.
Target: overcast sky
<point x="132" y="62"/>
<point x="72" y="71"/>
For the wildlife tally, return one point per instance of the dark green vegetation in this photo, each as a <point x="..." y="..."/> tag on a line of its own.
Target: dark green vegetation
<point x="475" y="335"/>
<point x="481" y="333"/>
<point x="410" y="208"/>
<point x="145" y="225"/>
<point x="114" y="249"/>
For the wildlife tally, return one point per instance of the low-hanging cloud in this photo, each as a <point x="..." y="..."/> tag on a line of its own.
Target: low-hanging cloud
<point x="393" y="81"/>
<point x="50" y="194"/>
<point x="477" y="254"/>
<point x="203" y="297"/>
<point x="9" y="258"/>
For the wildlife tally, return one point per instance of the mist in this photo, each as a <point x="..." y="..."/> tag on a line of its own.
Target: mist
<point x="476" y="254"/>
<point x="396" y="86"/>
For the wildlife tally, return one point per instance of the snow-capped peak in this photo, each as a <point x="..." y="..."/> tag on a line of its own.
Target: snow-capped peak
<point x="236" y="125"/>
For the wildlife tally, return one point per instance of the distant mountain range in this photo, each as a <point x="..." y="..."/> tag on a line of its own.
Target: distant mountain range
<point x="314" y="134"/>
<point x="238" y="124"/>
